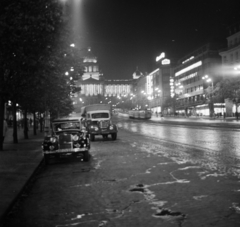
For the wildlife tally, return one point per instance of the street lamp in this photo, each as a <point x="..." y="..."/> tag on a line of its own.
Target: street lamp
<point x="211" y="106"/>
<point x="208" y="79"/>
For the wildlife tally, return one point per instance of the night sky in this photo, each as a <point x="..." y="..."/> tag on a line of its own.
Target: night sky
<point x="125" y="34"/>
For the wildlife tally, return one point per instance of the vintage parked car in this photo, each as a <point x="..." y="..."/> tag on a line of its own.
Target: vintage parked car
<point x="68" y="138"/>
<point x="98" y="121"/>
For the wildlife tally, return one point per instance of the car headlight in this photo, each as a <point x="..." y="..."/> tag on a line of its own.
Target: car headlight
<point x="51" y="148"/>
<point x="75" y="137"/>
<point x="94" y="127"/>
<point x="53" y="139"/>
<point x="111" y="127"/>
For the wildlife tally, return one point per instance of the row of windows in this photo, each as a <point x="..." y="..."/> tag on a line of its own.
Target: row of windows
<point x="192" y="99"/>
<point x="234" y="41"/>
<point x="91" y="68"/>
<point x="193" y="89"/>
<point x="192" y="80"/>
<point x="233" y="58"/>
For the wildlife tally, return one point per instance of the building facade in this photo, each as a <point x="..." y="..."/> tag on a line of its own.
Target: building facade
<point x="195" y="76"/>
<point x="231" y="64"/>
<point x="173" y="87"/>
<point x="95" y="88"/>
<point x="154" y="89"/>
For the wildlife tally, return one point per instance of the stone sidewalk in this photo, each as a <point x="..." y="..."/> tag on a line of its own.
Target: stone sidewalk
<point x="17" y="164"/>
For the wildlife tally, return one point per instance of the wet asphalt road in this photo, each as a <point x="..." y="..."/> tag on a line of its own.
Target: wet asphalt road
<point x="152" y="175"/>
<point x="210" y="138"/>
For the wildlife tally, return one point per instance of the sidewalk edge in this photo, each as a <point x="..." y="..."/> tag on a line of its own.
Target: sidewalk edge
<point x="7" y="211"/>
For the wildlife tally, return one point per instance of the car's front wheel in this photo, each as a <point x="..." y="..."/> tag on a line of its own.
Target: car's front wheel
<point x="46" y="159"/>
<point x="86" y="156"/>
<point x="92" y="137"/>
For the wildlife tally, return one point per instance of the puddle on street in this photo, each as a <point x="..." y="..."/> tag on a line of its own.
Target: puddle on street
<point x="149" y="196"/>
<point x="168" y="215"/>
<point x="163" y="213"/>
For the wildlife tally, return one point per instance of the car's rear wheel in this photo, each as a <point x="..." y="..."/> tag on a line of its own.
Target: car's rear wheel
<point x="114" y="136"/>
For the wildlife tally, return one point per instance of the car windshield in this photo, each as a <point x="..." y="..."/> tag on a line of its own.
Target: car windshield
<point x="59" y="126"/>
<point x="100" y="115"/>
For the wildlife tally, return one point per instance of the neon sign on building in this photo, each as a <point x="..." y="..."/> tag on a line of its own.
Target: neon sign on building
<point x="161" y="56"/>
<point x="166" y="61"/>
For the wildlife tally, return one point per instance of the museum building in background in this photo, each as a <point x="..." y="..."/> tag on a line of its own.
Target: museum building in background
<point x="94" y="87"/>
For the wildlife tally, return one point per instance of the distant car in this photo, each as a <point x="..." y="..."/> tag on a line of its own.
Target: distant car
<point x="68" y="138"/>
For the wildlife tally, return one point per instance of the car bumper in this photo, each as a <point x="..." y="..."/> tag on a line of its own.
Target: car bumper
<point x="102" y="132"/>
<point x="67" y="151"/>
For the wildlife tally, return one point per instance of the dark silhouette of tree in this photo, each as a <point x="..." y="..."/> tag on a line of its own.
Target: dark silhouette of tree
<point x="34" y="36"/>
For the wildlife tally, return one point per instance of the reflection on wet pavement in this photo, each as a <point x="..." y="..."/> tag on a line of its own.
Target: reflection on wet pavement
<point x="186" y="159"/>
<point x="180" y="154"/>
<point x="223" y="142"/>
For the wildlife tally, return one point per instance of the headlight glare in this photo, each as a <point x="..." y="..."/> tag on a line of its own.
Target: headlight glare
<point x="75" y="137"/>
<point x="53" y="139"/>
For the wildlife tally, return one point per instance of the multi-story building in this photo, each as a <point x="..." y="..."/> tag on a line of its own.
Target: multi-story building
<point x="94" y="87"/>
<point x="231" y="63"/>
<point x="193" y="92"/>
<point x="154" y="89"/>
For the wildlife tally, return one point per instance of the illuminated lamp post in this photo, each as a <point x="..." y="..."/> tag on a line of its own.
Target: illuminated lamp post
<point x="178" y="92"/>
<point x="144" y="101"/>
<point x="211" y="104"/>
<point x="172" y="94"/>
<point x="236" y="99"/>
<point x="158" y="94"/>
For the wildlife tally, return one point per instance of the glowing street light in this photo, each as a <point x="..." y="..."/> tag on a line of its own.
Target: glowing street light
<point x="208" y="79"/>
<point x="236" y="68"/>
